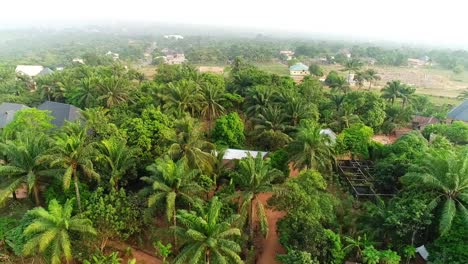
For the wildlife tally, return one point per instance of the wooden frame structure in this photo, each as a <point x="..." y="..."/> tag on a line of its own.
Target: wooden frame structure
<point x="359" y="175"/>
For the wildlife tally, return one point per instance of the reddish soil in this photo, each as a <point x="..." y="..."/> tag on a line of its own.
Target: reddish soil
<point x="140" y="256"/>
<point x="271" y="246"/>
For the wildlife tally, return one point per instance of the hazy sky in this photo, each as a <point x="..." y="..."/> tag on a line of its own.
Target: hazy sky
<point x="409" y="20"/>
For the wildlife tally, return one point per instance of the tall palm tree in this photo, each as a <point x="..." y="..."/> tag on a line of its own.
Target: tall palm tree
<point x="211" y="98"/>
<point x="359" y="78"/>
<point x="74" y="154"/>
<point x="117" y="159"/>
<point x="297" y="109"/>
<point x="344" y="118"/>
<point x="443" y="174"/>
<point x="406" y="95"/>
<point x="271" y="118"/>
<point x="190" y="146"/>
<point x="84" y="94"/>
<point x="310" y="149"/>
<point x="340" y="85"/>
<point x="371" y="75"/>
<point x="392" y="91"/>
<point x="52" y="229"/>
<point x="255" y="176"/>
<point x="114" y="91"/>
<point x="352" y="65"/>
<point x="208" y="239"/>
<point x="171" y="183"/>
<point x="23" y="155"/>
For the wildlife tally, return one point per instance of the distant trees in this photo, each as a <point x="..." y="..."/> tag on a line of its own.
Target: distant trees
<point x="316" y="70"/>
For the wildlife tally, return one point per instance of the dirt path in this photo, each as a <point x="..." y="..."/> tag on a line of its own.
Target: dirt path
<point x="271" y="246"/>
<point x="140" y="256"/>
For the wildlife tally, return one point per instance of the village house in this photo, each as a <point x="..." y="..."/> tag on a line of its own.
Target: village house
<point x="173" y="59"/>
<point x="175" y="37"/>
<point x="288" y="53"/>
<point x="299" y="69"/>
<point x="216" y="70"/>
<point x="459" y="113"/>
<point x="78" y="60"/>
<point x="423" y="61"/>
<point x="32" y="70"/>
<point x="61" y="112"/>
<point x="420" y="122"/>
<point x="115" y="56"/>
<point x="8" y="111"/>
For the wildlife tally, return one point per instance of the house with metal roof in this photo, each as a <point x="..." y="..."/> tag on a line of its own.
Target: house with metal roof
<point x="329" y="133"/>
<point x="237" y="154"/>
<point x="32" y="70"/>
<point x="61" y="112"/>
<point x="459" y="113"/>
<point x="8" y="111"/>
<point x="299" y="69"/>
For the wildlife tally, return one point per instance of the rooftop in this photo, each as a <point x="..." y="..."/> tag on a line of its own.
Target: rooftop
<point x="299" y="67"/>
<point x="30" y="70"/>
<point x="8" y="111"/>
<point x="61" y="112"/>
<point x="460" y="112"/>
<point x="237" y="154"/>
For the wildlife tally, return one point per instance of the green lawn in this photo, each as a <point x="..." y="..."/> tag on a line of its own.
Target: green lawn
<point x="274" y="67"/>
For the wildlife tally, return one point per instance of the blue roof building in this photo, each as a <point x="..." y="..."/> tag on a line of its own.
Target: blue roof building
<point x="299" y="67"/>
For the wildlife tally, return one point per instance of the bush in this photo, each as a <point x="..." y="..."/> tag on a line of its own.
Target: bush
<point x="297" y="257"/>
<point x="113" y="214"/>
<point x="229" y="131"/>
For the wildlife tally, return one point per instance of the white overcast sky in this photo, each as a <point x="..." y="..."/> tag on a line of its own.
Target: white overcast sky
<point x="441" y="21"/>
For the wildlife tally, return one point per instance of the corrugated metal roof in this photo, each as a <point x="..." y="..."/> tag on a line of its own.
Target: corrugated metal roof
<point x="61" y="112"/>
<point x="460" y="112"/>
<point x="329" y="132"/>
<point x="237" y="154"/>
<point x="29" y="70"/>
<point x="299" y="67"/>
<point x="8" y="111"/>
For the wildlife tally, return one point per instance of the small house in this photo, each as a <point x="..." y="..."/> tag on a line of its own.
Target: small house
<point x="8" y="111"/>
<point x="288" y="53"/>
<point x="299" y="69"/>
<point x="78" y="60"/>
<point x="420" y="122"/>
<point x="329" y="133"/>
<point x="32" y="70"/>
<point x="61" y="112"/>
<point x="459" y="113"/>
<point x="175" y="59"/>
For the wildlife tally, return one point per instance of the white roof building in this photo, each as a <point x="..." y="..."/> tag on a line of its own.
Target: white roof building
<point x="237" y="154"/>
<point x="422" y="251"/>
<point x="176" y="37"/>
<point x="29" y="70"/>
<point x="329" y="132"/>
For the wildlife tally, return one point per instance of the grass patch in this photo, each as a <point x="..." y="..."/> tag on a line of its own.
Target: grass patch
<point x="274" y="67"/>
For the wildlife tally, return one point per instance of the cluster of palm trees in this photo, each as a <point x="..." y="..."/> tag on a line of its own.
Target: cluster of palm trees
<point x="397" y="90"/>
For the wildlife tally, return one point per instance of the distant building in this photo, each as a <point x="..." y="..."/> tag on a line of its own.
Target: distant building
<point x="175" y="37"/>
<point x="115" y="56"/>
<point x="418" y="62"/>
<point x="459" y="113"/>
<point x="78" y="60"/>
<point x="329" y="133"/>
<point x="216" y="70"/>
<point x="61" y="112"/>
<point x="8" y="111"/>
<point x="350" y="79"/>
<point x="32" y="70"/>
<point x="288" y="53"/>
<point x="420" y="122"/>
<point x="346" y="53"/>
<point x="299" y="69"/>
<point x="177" y="58"/>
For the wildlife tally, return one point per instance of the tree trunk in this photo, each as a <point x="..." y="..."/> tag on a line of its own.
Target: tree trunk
<point x="36" y="194"/>
<point x="207" y="257"/>
<point x="174" y="219"/>
<point x="14" y="195"/>
<point x="252" y="218"/>
<point x="77" y="190"/>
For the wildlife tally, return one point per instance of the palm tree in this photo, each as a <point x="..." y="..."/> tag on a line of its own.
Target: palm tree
<point x="190" y="146"/>
<point x="23" y="155"/>
<point x="352" y="65"/>
<point x="182" y="96"/>
<point x="51" y="230"/>
<point x="114" y="91"/>
<point x="310" y="149"/>
<point x="371" y="75"/>
<point x="84" y="95"/>
<point x="359" y="78"/>
<point x="75" y="155"/>
<point x="271" y="118"/>
<point x="344" y="119"/>
<point x="117" y="158"/>
<point x="392" y="90"/>
<point x="406" y="95"/>
<point x="340" y="85"/>
<point x="258" y="98"/>
<point x="170" y="184"/>
<point x="211" y="98"/>
<point x="255" y="176"/>
<point x="208" y="239"/>
<point x="443" y="174"/>
<point x="297" y="109"/>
